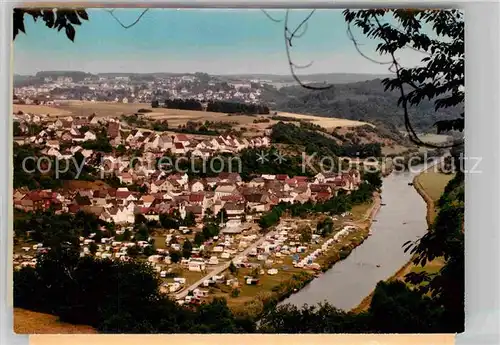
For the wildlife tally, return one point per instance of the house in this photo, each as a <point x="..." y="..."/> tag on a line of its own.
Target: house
<point x="196" y="266"/>
<point x="182" y="138"/>
<point x="53" y="144"/>
<point x="256" y="182"/>
<point x="234" y="210"/>
<point x="225" y="190"/>
<point x="89" y="135"/>
<point x="113" y="129"/>
<point x="161" y="186"/>
<point x="179" y="149"/>
<point x="229" y="177"/>
<point x="126" y="178"/>
<point x="197" y="186"/>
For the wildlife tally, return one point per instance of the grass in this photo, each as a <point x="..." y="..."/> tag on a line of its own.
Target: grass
<point x="30" y="322"/>
<point x="433" y="183"/>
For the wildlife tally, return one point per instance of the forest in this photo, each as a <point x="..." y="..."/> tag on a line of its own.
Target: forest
<point x="361" y="101"/>
<point x="229" y="107"/>
<point x="316" y="142"/>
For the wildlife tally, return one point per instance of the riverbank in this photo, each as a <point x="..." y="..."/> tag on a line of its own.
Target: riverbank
<point x="430" y="216"/>
<point x="270" y="295"/>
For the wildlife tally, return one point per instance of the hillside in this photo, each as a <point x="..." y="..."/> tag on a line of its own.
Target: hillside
<point x="30" y="322"/>
<point x="361" y="101"/>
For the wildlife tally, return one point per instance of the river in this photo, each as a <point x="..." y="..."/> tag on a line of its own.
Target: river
<point x="403" y="218"/>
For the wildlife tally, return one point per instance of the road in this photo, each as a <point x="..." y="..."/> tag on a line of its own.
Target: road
<point x="221" y="268"/>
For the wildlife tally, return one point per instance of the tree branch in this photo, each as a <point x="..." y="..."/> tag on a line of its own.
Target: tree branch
<point x="111" y="12"/>
<point x="289" y="58"/>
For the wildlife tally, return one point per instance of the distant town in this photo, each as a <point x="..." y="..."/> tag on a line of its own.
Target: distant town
<point x="127" y="89"/>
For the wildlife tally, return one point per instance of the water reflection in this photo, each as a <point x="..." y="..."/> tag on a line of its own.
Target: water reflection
<point x="380" y="256"/>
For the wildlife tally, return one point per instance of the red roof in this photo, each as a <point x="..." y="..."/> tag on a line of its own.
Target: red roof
<point x="196" y="197"/>
<point x="179" y="146"/>
<point x="182" y="137"/>
<point x="281" y="177"/>
<point x="123" y="194"/>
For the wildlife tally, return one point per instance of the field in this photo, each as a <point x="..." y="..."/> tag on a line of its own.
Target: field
<point x="326" y="122"/>
<point x="30" y="322"/>
<point x="175" y="117"/>
<point x="41" y="110"/>
<point x="433" y="183"/>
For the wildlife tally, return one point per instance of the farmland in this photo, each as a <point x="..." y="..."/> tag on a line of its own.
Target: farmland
<point x="175" y="117"/>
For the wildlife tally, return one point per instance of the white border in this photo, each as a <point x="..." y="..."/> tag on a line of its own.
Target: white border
<point x="482" y="130"/>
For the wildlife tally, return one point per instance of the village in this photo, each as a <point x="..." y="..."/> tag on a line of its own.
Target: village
<point x="233" y="204"/>
<point x="125" y="89"/>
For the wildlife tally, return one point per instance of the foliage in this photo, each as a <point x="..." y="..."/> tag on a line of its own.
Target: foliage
<point x="237" y="108"/>
<point x="53" y="18"/>
<point x="187" y="248"/>
<point x="320" y="144"/>
<point x="232" y="268"/>
<point x="175" y="256"/>
<point x="441" y="76"/>
<point x="305" y="234"/>
<point x="335" y="205"/>
<point x="325" y="227"/>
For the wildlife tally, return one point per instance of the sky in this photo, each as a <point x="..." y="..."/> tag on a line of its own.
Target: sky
<point x="214" y="41"/>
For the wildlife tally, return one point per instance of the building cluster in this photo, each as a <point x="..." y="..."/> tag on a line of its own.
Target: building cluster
<point x="177" y="192"/>
<point x="124" y="89"/>
<point x="62" y="138"/>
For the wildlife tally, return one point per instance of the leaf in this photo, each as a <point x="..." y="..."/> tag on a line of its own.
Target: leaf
<point x="73" y="18"/>
<point x="82" y="14"/>
<point x="70" y="32"/>
<point x="49" y="18"/>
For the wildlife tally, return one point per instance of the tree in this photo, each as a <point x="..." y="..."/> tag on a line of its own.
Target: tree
<point x="305" y="234"/>
<point x="441" y="75"/>
<point x="325" y="227"/>
<point x="199" y="238"/>
<point x="190" y="219"/>
<point x="133" y="251"/>
<point x="210" y="230"/>
<point x="187" y="248"/>
<point x="140" y="219"/>
<point x="221" y="216"/>
<point x="93" y="248"/>
<point x="149" y="250"/>
<point x="54" y="19"/>
<point x="168" y="222"/>
<point x="374" y="178"/>
<point x="232" y="268"/>
<point x="175" y="256"/>
<point x="235" y="292"/>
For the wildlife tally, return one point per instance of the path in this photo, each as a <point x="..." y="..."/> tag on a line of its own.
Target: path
<point x="221" y="268"/>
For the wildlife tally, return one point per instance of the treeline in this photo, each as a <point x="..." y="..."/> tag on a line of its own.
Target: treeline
<point x="53" y="230"/>
<point x="114" y="297"/>
<point x="340" y="203"/>
<point x="314" y="142"/>
<point x="213" y="106"/>
<point x="237" y="108"/>
<point x="249" y="162"/>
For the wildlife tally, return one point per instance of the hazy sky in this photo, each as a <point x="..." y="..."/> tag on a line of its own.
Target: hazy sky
<point x="214" y="41"/>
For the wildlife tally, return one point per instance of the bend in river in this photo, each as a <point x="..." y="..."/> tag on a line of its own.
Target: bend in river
<point x="403" y="218"/>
